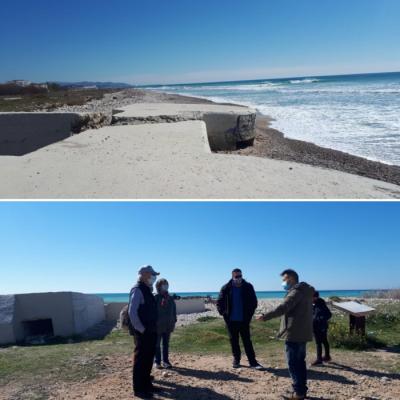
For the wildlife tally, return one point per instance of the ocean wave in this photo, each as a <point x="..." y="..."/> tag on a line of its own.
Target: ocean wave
<point x="244" y="87"/>
<point x="307" y="80"/>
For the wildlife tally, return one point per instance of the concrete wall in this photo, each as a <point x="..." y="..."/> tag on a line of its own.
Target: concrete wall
<point x="7" y="308"/>
<point x="70" y="313"/>
<point x="34" y="306"/>
<point x="88" y="310"/>
<point x="21" y="133"/>
<point x="188" y="306"/>
<point x="183" y="306"/>
<point x="113" y="310"/>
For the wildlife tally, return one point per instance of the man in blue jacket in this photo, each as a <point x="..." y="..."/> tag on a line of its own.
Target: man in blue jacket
<point x="237" y="303"/>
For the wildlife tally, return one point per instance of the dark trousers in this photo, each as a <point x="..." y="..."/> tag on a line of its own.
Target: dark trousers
<point x="321" y="338"/>
<point x="164" y="338"/>
<point x="243" y="329"/>
<point x="145" y="348"/>
<point x="296" y="360"/>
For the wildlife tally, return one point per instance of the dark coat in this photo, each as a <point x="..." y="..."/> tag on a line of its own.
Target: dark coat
<point x="166" y="314"/>
<point x="296" y="311"/>
<point x="147" y="312"/>
<point x="224" y="302"/>
<point x="321" y="316"/>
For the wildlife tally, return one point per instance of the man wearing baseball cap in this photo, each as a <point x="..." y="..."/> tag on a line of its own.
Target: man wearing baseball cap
<point x="143" y="315"/>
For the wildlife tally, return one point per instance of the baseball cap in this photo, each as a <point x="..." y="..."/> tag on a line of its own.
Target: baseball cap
<point x="147" y="268"/>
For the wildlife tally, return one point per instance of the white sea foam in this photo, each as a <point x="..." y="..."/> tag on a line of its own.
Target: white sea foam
<point x="307" y="80"/>
<point x="358" y="115"/>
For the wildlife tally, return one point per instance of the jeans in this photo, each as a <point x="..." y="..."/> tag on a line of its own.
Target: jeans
<point x="321" y="338"/>
<point x="243" y="329"/>
<point x="164" y="337"/>
<point x="145" y="347"/>
<point x="296" y="360"/>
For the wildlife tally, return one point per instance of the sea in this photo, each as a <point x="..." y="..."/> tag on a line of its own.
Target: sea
<point x="124" y="297"/>
<point x="357" y="114"/>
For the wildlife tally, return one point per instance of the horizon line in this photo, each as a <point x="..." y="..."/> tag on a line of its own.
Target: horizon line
<point x="137" y="85"/>
<point x="269" y="79"/>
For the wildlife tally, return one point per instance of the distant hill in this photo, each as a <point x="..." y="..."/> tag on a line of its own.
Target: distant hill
<point x="100" y="85"/>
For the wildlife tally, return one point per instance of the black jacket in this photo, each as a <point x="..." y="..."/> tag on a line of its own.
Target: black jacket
<point x="321" y="315"/>
<point x="147" y="312"/>
<point x="224" y="302"/>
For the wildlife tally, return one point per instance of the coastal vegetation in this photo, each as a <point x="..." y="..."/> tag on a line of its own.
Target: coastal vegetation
<point x="49" y="100"/>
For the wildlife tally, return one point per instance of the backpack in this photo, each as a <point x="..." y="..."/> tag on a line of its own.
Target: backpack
<point x="125" y="320"/>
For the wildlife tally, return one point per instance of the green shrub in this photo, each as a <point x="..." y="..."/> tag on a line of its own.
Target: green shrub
<point x="340" y="337"/>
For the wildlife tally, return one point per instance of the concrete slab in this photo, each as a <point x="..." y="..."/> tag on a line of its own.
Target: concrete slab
<point x="227" y="125"/>
<point x="156" y="161"/>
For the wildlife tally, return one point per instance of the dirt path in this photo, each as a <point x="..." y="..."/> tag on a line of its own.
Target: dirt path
<point x="351" y="376"/>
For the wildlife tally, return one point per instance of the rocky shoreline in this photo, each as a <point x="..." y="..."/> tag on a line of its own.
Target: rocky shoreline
<point x="269" y="142"/>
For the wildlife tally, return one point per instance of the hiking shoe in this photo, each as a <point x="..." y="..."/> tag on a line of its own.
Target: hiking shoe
<point x="257" y="366"/>
<point x="157" y="366"/>
<point x="236" y="364"/>
<point x="167" y="365"/>
<point x="317" y="362"/>
<point x="327" y="359"/>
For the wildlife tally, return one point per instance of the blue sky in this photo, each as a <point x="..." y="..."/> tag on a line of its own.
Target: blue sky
<point x="97" y="247"/>
<point x="159" y="41"/>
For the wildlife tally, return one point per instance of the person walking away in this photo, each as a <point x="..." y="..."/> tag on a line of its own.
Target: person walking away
<point x="296" y="327"/>
<point x="166" y="320"/>
<point x="143" y="317"/>
<point x="237" y="303"/>
<point x="321" y="317"/>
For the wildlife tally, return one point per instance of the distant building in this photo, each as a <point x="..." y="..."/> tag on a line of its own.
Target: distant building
<point x="23" y="316"/>
<point x="20" y="82"/>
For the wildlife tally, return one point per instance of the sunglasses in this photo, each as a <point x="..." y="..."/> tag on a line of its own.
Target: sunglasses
<point x="237" y="276"/>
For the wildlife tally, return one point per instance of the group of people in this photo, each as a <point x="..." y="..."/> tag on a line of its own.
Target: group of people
<point x="151" y="319"/>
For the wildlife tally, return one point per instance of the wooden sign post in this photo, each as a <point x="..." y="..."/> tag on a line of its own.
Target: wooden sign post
<point x="357" y="313"/>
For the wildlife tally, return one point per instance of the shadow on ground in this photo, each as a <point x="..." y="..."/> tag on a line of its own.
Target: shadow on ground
<point x="322" y="375"/>
<point x="365" y="372"/>
<point x="209" y="375"/>
<point x="174" y="391"/>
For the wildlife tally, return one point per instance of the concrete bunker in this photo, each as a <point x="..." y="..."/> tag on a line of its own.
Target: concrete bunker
<point x="62" y="314"/>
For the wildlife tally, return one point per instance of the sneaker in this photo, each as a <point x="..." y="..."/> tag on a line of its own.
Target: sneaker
<point x="317" y="362"/>
<point x="167" y="365"/>
<point x="157" y="366"/>
<point x="327" y="359"/>
<point x="236" y="364"/>
<point x="257" y="366"/>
